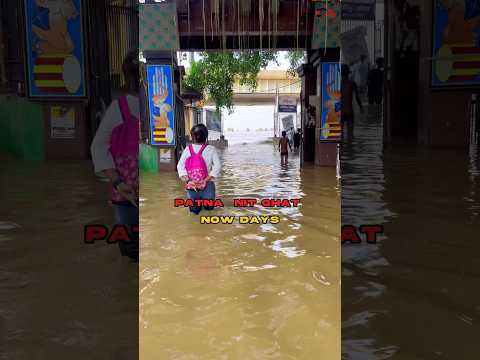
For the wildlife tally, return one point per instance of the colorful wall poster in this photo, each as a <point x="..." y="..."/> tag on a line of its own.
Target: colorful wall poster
<point x="331" y="129"/>
<point x="456" y="43"/>
<point x="161" y="104"/>
<point x="55" y="48"/>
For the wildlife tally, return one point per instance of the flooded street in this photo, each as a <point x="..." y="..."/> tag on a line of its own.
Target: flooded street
<point x="61" y="298"/>
<point x="415" y="294"/>
<point x="242" y="291"/>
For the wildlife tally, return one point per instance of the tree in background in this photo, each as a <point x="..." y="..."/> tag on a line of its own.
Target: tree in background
<point x="215" y="73"/>
<point x="296" y="58"/>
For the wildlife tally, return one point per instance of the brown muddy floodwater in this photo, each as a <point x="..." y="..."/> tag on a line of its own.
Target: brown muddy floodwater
<point x="242" y="291"/>
<point x="415" y="295"/>
<point x="60" y="298"/>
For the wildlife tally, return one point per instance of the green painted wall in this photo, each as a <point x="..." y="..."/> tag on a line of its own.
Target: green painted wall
<point x="148" y="158"/>
<point x="21" y="128"/>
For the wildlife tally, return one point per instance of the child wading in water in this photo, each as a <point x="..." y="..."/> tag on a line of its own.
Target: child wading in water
<point x="283" y="146"/>
<point x="199" y="165"/>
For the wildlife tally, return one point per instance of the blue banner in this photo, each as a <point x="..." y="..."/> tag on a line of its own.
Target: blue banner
<point x="161" y="104"/>
<point x="55" y="48"/>
<point x="331" y="128"/>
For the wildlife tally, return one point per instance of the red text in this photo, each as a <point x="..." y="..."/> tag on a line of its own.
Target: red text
<point x="355" y="235"/>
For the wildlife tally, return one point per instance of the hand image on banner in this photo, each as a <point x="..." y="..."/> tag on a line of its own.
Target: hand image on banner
<point x="331" y="129"/>
<point x="161" y="106"/>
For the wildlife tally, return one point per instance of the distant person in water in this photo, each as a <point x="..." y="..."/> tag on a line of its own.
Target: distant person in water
<point x="283" y="146"/>
<point x="198" y="167"/>
<point x="349" y="90"/>
<point x="297" y="138"/>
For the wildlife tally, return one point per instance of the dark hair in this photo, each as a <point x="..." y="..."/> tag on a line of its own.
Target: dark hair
<point x="199" y="134"/>
<point x="284" y="133"/>
<point x="345" y="70"/>
<point x="379" y="61"/>
<point x="131" y="70"/>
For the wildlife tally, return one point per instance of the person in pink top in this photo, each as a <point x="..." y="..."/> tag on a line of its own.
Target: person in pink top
<point x="115" y="153"/>
<point x="198" y="167"/>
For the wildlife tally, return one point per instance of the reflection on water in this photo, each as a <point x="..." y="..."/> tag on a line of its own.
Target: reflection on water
<point x="415" y="295"/>
<point x="59" y="298"/>
<point x="242" y="291"/>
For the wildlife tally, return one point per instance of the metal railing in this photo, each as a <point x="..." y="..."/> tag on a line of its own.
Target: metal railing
<point x="122" y="30"/>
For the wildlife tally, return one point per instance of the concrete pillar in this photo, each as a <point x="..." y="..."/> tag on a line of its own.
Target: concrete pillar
<point x="309" y="84"/>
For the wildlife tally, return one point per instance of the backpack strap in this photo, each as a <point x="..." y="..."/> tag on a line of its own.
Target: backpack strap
<point x="190" y="148"/>
<point x="124" y="109"/>
<point x="201" y="149"/>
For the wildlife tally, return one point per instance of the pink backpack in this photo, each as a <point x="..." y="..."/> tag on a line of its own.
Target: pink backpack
<point x="124" y="148"/>
<point x="195" y="164"/>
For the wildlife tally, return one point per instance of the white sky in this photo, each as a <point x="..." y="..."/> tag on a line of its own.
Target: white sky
<point x="283" y="63"/>
<point x="251" y="117"/>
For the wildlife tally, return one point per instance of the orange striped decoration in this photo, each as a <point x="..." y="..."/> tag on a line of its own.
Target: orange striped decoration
<point x="466" y="63"/>
<point x="48" y="74"/>
<point x="160" y="135"/>
<point x="334" y="131"/>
